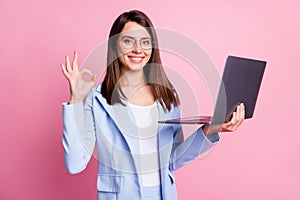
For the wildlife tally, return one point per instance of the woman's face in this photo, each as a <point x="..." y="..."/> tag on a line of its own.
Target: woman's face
<point x="134" y="46"/>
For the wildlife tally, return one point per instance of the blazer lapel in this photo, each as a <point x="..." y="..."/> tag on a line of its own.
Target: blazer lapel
<point x="117" y="114"/>
<point x="165" y="139"/>
<point x="165" y="142"/>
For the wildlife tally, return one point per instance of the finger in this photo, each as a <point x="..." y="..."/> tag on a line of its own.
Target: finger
<point x="69" y="69"/>
<point x="238" y="113"/>
<point x="65" y="71"/>
<point x="94" y="78"/>
<point x="89" y="72"/>
<point x="75" y="61"/>
<point x="86" y="71"/>
<point x="243" y="111"/>
<point x="242" y="108"/>
<point x="233" y="119"/>
<point x="93" y="81"/>
<point x="241" y="114"/>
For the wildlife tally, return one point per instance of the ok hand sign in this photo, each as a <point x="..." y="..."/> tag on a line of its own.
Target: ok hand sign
<point x="79" y="88"/>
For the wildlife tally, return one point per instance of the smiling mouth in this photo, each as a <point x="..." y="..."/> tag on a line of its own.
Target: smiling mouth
<point x="135" y="59"/>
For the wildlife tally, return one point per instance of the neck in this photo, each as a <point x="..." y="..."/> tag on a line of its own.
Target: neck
<point x="132" y="78"/>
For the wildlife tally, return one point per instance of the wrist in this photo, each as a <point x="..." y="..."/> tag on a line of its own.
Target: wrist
<point x="75" y="100"/>
<point x="209" y="130"/>
<point x="205" y="129"/>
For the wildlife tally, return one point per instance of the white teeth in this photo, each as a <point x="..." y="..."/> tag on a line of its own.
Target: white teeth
<point x="136" y="58"/>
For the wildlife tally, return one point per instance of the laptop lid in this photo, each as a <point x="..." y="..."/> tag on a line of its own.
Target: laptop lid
<point x="240" y="83"/>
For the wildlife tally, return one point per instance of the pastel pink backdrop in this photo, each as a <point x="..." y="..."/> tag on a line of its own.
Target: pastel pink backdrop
<point x="260" y="161"/>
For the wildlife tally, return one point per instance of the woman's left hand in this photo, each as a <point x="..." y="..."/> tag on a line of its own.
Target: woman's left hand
<point x="237" y="119"/>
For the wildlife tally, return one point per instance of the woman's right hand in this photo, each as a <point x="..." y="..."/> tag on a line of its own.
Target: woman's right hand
<point x="79" y="88"/>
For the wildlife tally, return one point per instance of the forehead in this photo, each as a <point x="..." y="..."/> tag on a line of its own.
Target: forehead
<point x="135" y="30"/>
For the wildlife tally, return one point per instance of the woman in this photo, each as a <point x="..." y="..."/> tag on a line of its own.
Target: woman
<point x="137" y="156"/>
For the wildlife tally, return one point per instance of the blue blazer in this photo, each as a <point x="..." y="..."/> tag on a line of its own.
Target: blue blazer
<point x="94" y="122"/>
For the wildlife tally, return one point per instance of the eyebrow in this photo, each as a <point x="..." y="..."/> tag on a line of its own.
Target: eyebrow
<point x="134" y="37"/>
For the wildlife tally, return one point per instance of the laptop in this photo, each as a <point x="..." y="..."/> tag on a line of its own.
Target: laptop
<point x="240" y="83"/>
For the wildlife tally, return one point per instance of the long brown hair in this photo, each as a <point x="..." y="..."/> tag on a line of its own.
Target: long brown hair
<point x="155" y="75"/>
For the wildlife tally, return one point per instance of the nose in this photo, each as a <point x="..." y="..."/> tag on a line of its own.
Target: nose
<point x="137" y="48"/>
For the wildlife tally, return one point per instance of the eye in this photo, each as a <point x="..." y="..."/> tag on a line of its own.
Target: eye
<point x="127" y="41"/>
<point x="146" y="42"/>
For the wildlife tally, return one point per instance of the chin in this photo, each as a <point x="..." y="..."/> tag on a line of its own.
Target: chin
<point x="136" y="67"/>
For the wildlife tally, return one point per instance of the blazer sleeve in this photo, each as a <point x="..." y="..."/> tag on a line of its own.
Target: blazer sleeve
<point x="78" y="134"/>
<point x="185" y="151"/>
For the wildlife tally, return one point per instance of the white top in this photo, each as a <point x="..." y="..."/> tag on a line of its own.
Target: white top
<point x="145" y="119"/>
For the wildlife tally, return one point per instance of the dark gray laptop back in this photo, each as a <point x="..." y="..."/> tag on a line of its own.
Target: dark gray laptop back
<point x="240" y="84"/>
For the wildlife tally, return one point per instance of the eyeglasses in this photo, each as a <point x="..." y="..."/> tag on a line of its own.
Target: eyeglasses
<point x="129" y="43"/>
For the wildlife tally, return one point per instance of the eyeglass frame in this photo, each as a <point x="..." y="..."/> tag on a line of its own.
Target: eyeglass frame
<point x="135" y="42"/>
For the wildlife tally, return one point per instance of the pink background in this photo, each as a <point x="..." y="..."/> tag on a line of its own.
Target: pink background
<point x="260" y="161"/>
